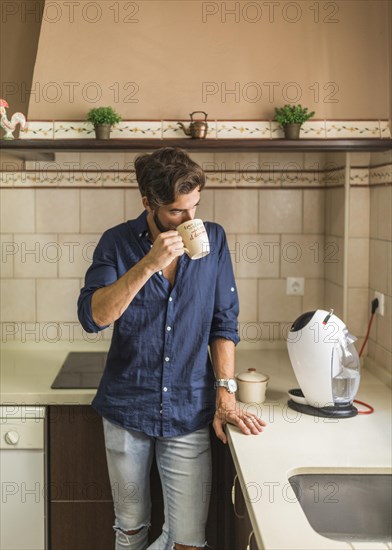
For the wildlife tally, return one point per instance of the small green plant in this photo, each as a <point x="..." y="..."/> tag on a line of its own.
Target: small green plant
<point x="103" y="115"/>
<point x="292" y="114"/>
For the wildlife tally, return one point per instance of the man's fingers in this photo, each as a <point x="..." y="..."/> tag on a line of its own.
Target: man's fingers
<point x="248" y="423"/>
<point x="174" y="243"/>
<point x="218" y="427"/>
<point x="255" y="421"/>
<point x="169" y="236"/>
<point x="254" y="427"/>
<point x="242" y="426"/>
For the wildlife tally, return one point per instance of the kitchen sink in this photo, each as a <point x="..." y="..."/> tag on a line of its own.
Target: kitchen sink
<point x="347" y="506"/>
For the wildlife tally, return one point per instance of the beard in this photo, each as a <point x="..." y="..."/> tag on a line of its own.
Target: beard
<point x="159" y="224"/>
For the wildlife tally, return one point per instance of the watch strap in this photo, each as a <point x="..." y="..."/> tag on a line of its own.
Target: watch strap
<point x="229" y="384"/>
<point x="221" y="382"/>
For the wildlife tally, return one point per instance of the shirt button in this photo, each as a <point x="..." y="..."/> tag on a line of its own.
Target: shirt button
<point x="165" y="388"/>
<point x="232" y="289"/>
<point x="170" y="299"/>
<point x="167" y="359"/>
<point x="160" y="272"/>
<point x="160" y="412"/>
<point x="168" y="329"/>
<point x="140" y="234"/>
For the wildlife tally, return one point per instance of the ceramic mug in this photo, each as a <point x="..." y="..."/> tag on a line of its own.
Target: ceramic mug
<point x="252" y="386"/>
<point x="194" y="235"/>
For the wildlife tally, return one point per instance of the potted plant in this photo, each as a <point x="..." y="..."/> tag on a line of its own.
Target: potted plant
<point x="291" y="118"/>
<point x="103" y="118"/>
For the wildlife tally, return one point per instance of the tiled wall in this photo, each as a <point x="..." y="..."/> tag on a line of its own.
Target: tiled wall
<point x="283" y="213"/>
<point x="334" y="231"/>
<point x="272" y="207"/>
<point x="380" y="271"/>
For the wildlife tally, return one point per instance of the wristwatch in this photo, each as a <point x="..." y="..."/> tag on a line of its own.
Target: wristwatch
<point x="229" y="383"/>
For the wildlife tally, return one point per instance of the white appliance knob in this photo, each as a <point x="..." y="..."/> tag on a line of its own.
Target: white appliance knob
<point x="11" y="438"/>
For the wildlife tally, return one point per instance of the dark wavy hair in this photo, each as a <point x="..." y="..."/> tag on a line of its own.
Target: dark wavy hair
<point x="167" y="173"/>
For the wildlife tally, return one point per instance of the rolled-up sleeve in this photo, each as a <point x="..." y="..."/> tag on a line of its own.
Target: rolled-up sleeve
<point x="101" y="273"/>
<point x="226" y="308"/>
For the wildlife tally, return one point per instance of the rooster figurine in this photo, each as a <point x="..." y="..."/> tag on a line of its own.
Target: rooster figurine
<point x="9" y="126"/>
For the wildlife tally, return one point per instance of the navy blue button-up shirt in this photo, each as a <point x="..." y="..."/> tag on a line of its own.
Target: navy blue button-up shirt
<point x="158" y="377"/>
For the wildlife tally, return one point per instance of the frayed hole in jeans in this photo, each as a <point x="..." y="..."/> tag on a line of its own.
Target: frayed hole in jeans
<point x="123" y="536"/>
<point x="181" y="544"/>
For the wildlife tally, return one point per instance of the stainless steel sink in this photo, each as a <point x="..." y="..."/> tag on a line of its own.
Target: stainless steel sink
<point x="347" y="507"/>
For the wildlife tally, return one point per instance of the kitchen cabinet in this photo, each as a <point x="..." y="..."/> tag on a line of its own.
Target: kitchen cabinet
<point x="244" y="537"/>
<point x="80" y="501"/>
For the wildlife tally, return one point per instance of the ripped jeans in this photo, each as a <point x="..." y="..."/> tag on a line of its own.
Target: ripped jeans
<point x="184" y="465"/>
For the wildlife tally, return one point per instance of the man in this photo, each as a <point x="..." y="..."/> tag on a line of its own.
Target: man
<point x="158" y="393"/>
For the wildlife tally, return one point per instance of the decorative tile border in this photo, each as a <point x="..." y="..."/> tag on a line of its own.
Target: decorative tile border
<point x="276" y="130"/>
<point x="385" y="129"/>
<point x="335" y="177"/>
<point x="380" y="174"/>
<point x="73" y="130"/>
<point x="292" y="179"/>
<point x="221" y="179"/>
<point x="48" y="176"/>
<point x="359" y="176"/>
<point x="222" y="129"/>
<point x="352" y="129"/>
<point x="255" y="178"/>
<point x="246" y="129"/>
<point x="128" y="129"/>
<point x="37" y="130"/>
<point x="313" y="129"/>
<point x="61" y="179"/>
<point x="9" y="179"/>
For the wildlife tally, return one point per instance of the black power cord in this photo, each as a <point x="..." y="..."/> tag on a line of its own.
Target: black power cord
<point x="373" y="310"/>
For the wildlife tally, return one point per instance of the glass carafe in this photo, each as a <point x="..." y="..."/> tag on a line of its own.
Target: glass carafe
<point x="346" y="370"/>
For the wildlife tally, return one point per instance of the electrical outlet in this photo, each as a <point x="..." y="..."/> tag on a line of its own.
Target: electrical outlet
<point x="295" y="286"/>
<point x="380" y="298"/>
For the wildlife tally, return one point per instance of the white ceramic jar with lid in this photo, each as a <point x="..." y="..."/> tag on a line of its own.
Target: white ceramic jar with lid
<point x="252" y="386"/>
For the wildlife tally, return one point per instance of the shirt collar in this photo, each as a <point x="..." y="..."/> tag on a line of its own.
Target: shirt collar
<point x="140" y="225"/>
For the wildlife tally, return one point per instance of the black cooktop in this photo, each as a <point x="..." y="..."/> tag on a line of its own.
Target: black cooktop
<point x="81" y="370"/>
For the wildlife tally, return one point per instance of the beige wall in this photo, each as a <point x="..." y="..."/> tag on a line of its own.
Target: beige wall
<point x="157" y="61"/>
<point x="19" y="34"/>
<point x="390" y="64"/>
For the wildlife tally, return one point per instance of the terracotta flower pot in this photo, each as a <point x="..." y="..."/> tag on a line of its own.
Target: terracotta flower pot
<point x="291" y="131"/>
<point x="102" y="131"/>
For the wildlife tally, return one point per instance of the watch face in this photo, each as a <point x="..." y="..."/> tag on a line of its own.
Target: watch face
<point x="231" y="385"/>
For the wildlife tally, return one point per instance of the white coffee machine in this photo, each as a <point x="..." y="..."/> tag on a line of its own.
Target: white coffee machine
<point x="326" y="365"/>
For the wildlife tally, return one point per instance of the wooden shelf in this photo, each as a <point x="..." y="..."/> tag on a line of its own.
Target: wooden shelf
<point x="35" y="148"/>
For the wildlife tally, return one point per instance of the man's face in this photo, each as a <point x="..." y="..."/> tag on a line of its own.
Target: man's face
<point x="169" y="216"/>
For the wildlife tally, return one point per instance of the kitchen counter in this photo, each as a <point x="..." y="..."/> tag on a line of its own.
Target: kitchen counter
<point x="295" y="443"/>
<point x="292" y="443"/>
<point x="28" y="370"/>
